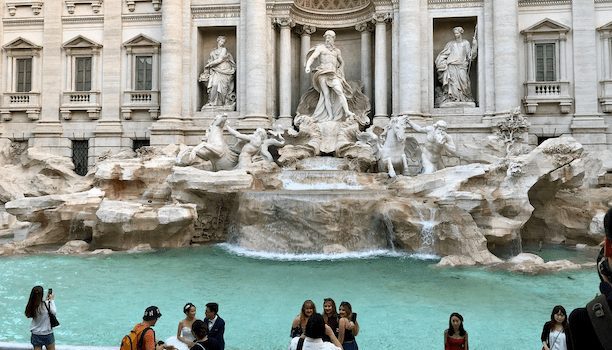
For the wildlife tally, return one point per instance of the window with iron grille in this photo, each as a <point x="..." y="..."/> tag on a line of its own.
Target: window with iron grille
<point x="82" y="79"/>
<point x="136" y="144"/>
<point x="80" y="155"/>
<point x="24" y="75"/>
<point x="545" y="62"/>
<point x="144" y="72"/>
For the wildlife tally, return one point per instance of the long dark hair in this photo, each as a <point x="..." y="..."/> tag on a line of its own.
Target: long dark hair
<point x="347" y="308"/>
<point x="36" y="299"/>
<point x="306" y="304"/>
<point x="333" y="303"/>
<point x="555" y="311"/>
<point x="451" y="330"/>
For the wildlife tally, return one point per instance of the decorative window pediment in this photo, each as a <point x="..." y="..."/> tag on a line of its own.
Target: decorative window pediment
<point x="142" y="42"/>
<point x="80" y="42"/>
<point x="546" y="28"/>
<point x="21" y="45"/>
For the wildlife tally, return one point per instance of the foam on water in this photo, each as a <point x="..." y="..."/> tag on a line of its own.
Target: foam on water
<point x="366" y="254"/>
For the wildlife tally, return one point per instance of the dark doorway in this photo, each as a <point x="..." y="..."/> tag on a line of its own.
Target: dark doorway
<point x="80" y="154"/>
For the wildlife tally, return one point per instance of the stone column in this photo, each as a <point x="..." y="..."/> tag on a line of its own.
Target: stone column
<point x="169" y="129"/>
<point x="506" y="55"/>
<point x="48" y="130"/>
<point x="586" y="118"/>
<point x="171" y="59"/>
<point x="305" y="32"/>
<point x="366" y="57"/>
<point x="409" y="56"/>
<point x="254" y="54"/>
<point x="108" y="130"/>
<point x="606" y="54"/>
<point x="284" y="88"/>
<point x="380" y="69"/>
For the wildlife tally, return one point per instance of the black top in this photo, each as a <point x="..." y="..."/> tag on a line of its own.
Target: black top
<point x="332" y="322"/>
<point x="208" y="344"/>
<point x="568" y="334"/>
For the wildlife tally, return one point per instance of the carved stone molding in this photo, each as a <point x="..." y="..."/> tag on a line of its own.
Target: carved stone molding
<point x="382" y="17"/>
<point x="95" y="5"/>
<point x="283" y="22"/>
<point x="335" y="14"/>
<point x="365" y="26"/>
<point x="142" y="18"/>
<point x="216" y="11"/>
<point x="305" y="29"/>
<point x="524" y="3"/>
<point x="31" y="21"/>
<point x="35" y="5"/>
<point x="331" y="5"/>
<point x="131" y="4"/>
<point x="454" y="3"/>
<point x="83" y="19"/>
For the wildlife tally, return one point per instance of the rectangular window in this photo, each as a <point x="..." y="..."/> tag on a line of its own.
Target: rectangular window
<point x="80" y="154"/>
<point x="136" y="144"/>
<point x="144" y="72"/>
<point x="24" y="74"/>
<point x="82" y="79"/>
<point x="545" y="62"/>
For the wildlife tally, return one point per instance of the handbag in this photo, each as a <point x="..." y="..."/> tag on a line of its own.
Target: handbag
<point x="52" y="317"/>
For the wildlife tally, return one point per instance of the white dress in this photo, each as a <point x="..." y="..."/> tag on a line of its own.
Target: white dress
<point x="179" y="345"/>
<point x="556" y="340"/>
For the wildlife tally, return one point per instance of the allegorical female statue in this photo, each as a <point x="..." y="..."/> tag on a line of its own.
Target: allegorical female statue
<point x="219" y="74"/>
<point x="453" y="67"/>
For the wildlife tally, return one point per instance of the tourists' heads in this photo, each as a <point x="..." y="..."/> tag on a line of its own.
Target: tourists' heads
<point x="151" y="314"/>
<point x="441" y="124"/>
<point x="36" y="298"/>
<point x="559" y="315"/>
<point x="329" y="307"/>
<point x="455" y="323"/>
<point x="199" y="329"/>
<point x="346" y="309"/>
<point x="189" y="310"/>
<point x="308" y="308"/>
<point x="458" y="31"/>
<point x="329" y="36"/>
<point x="315" y="327"/>
<point x="211" y="310"/>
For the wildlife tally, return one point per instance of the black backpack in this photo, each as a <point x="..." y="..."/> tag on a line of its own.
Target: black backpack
<point x="601" y="319"/>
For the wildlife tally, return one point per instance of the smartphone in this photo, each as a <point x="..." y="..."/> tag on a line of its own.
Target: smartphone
<point x="608" y="248"/>
<point x="50" y="291"/>
<point x="354" y="316"/>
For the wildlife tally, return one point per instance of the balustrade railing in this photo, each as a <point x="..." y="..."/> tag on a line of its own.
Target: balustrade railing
<point x="81" y="98"/>
<point x="21" y="99"/>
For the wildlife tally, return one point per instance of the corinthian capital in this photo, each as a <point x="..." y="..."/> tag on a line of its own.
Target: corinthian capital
<point x="365" y="26"/>
<point x="381" y="17"/>
<point x="284" y="22"/>
<point x="305" y="30"/>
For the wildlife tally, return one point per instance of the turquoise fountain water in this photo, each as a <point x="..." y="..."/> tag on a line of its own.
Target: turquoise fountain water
<point x="402" y="302"/>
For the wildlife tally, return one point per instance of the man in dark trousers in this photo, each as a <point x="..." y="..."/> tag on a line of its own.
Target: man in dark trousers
<point x="216" y="325"/>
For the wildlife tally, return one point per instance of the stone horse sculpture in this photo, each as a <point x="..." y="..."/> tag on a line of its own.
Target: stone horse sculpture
<point x="392" y="148"/>
<point x="214" y="148"/>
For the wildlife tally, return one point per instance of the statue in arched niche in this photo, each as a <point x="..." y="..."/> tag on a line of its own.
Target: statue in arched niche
<point x="218" y="74"/>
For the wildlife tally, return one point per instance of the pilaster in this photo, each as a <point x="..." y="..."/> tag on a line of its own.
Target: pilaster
<point x="254" y="54"/>
<point x="586" y="117"/>
<point x="409" y="56"/>
<point x="366" y="57"/>
<point x="506" y="55"/>
<point x="285" y="88"/>
<point x="305" y="32"/>
<point x="380" y="69"/>
<point x="48" y="130"/>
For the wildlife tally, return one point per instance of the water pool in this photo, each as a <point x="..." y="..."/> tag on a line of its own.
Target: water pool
<point x="402" y="302"/>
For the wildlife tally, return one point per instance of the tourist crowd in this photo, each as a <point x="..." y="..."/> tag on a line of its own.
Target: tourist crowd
<point x="588" y="328"/>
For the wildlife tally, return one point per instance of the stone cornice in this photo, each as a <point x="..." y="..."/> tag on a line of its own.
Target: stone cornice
<point x="525" y="3"/>
<point x="153" y="17"/>
<point x="327" y="19"/>
<point x="454" y="3"/>
<point x="14" y="22"/>
<point x="216" y="11"/>
<point x="82" y="19"/>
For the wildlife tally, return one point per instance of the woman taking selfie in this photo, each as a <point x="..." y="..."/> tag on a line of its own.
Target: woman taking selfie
<point x="348" y="327"/>
<point x="39" y="310"/>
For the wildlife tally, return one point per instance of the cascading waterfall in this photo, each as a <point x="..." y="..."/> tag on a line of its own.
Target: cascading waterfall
<point x="427" y="232"/>
<point x="390" y="232"/>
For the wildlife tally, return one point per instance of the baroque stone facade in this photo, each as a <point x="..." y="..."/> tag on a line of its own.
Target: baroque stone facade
<point x="100" y="76"/>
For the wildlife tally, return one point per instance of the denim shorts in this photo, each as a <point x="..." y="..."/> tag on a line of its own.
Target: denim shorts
<point x="40" y="340"/>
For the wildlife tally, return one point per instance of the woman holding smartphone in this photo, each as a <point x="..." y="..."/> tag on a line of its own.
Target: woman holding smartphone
<point x="39" y="310"/>
<point x="348" y="328"/>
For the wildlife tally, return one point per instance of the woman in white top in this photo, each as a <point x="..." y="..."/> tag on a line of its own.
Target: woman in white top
<point x="38" y="310"/>
<point x="556" y="333"/>
<point x="184" y="338"/>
